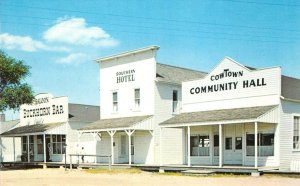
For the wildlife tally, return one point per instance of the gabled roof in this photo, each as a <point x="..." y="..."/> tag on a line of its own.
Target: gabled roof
<point x="177" y="75"/>
<point x="30" y="129"/>
<point x="219" y="115"/>
<point x="290" y="88"/>
<point x="7" y="125"/>
<point x="84" y="113"/>
<point x="115" y="123"/>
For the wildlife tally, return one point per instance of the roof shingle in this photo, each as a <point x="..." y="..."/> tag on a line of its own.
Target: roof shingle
<point x="113" y="123"/>
<point x="219" y="115"/>
<point x="172" y="74"/>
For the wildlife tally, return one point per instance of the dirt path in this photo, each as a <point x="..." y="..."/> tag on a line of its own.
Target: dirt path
<point x="60" y="177"/>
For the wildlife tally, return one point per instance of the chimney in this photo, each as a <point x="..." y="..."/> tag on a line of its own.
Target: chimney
<point x="2" y="117"/>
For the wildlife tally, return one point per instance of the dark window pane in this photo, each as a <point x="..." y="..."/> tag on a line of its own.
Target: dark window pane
<point x="54" y="138"/>
<point x="194" y="141"/>
<point x="58" y="138"/>
<point x="24" y="139"/>
<point x="216" y="140"/>
<point x="63" y="138"/>
<point x="31" y="139"/>
<point x="54" y="148"/>
<point x="228" y="143"/>
<point x="238" y="143"/>
<point x="250" y="140"/>
<point x="267" y="139"/>
<point x="175" y="95"/>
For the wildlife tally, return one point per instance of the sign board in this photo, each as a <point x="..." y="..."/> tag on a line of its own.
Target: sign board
<point x="232" y="83"/>
<point x="44" y="109"/>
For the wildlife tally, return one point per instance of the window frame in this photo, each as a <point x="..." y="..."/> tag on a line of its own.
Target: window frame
<point x="58" y="143"/>
<point x="293" y="139"/>
<point x="175" y="101"/>
<point x="201" y="142"/>
<point x="260" y="134"/>
<point x="137" y="100"/>
<point x="115" y="103"/>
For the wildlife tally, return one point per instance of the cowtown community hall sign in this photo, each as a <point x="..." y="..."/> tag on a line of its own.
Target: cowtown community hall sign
<point x="215" y="87"/>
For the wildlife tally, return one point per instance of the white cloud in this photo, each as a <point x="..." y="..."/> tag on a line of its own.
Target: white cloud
<point x="25" y="43"/>
<point x="73" y="58"/>
<point x="75" y="31"/>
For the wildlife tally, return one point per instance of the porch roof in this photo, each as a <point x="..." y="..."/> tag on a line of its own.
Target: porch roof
<point x="222" y="116"/>
<point x="31" y="129"/>
<point x="117" y="123"/>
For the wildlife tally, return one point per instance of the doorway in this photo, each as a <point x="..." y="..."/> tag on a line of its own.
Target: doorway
<point x="233" y="144"/>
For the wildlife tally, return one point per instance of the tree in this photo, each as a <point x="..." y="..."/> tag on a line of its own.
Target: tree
<point x="13" y="90"/>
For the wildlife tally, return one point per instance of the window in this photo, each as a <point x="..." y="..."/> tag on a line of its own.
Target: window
<point x="238" y="143"/>
<point x="228" y="143"/>
<point x="265" y="144"/>
<point x="137" y="99"/>
<point x="199" y="145"/>
<point x="175" y="100"/>
<point x="40" y="146"/>
<point x="216" y="145"/>
<point x="115" y="102"/>
<point x="58" y="143"/>
<point x="24" y="144"/>
<point x="296" y="144"/>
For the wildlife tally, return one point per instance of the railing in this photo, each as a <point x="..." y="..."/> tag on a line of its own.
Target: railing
<point x="91" y="155"/>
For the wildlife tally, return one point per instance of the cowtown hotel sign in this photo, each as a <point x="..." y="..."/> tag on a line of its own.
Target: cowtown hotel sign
<point x="232" y="85"/>
<point x="125" y="76"/>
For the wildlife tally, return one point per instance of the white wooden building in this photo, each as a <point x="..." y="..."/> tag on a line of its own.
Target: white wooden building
<point x="237" y="115"/>
<point x="44" y="128"/>
<point x="137" y="94"/>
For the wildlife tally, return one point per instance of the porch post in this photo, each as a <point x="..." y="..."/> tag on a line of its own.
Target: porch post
<point x="95" y="139"/>
<point x="14" y="149"/>
<point x="189" y="145"/>
<point x="160" y="146"/>
<point x="111" y="133"/>
<point x="255" y="144"/>
<point x="129" y="133"/>
<point x="28" y="153"/>
<point x="220" y="146"/>
<point x="44" y="139"/>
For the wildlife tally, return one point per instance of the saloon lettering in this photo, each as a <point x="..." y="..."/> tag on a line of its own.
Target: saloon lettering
<point x="125" y="76"/>
<point x="43" y="111"/>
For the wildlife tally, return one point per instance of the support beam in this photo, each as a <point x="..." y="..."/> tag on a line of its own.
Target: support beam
<point x="255" y="144"/>
<point x="151" y="132"/>
<point x="44" y="139"/>
<point x="14" y="143"/>
<point x="94" y="134"/>
<point x="28" y="152"/>
<point x="189" y="145"/>
<point x="160" y="146"/>
<point x="129" y="133"/>
<point x="220" y="146"/>
<point x="112" y="133"/>
<point x="99" y="135"/>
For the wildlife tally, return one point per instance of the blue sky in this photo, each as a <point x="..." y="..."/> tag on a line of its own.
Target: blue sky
<point x="60" y="39"/>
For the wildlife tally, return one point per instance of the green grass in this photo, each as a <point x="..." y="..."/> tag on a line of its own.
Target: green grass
<point x="114" y="171"/>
